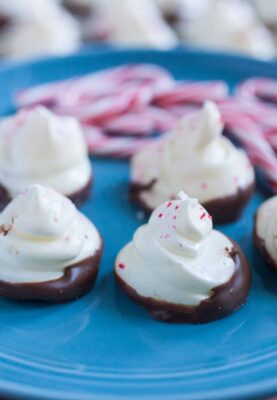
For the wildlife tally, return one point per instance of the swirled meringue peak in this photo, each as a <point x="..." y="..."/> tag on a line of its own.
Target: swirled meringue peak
<point x="195" y="157"/>
<point x="266" y="230"/>
<point x="42" y="233"/>
<point x="39" y="147"/>
<point x="178" y="260"/>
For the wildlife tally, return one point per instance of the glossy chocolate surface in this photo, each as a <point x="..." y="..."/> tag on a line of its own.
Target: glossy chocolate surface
<point x="225" y="299"/>
<point x="223" y="210"/>
<point x="77" y="280"/>
<point x="228" y="209"/>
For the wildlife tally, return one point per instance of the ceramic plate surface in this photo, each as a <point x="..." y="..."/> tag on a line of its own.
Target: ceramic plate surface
<point x="106" y="347"/>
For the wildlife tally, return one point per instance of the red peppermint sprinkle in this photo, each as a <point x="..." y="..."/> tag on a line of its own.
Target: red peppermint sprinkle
<point x="122" y="266"/>
<point x="203" y="185"/>
<point x="167" y="236"/>
<point x="160" y="215"/>
<point x="174" y="217"/>
<point x="176" y="208"/>
<point x="169" y="204"/>
<point x="203" y="215"/>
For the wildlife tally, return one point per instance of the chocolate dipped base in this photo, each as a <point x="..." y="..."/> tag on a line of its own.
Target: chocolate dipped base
<point x="78" y="198"/>
<point x="225" y="299"/>
<point x="78" y="279"/>
<point x="228" y="209"/>
<point x="82" y="195"/>
<point x="260" y="244"/>
<point x="223" y="210"/>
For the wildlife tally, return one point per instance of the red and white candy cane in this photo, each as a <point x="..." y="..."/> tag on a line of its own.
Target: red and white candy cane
<point x="140" y="123"/>
<point x="77" y="90"/>
<point x="118" y="147"/>
<point x="120" y="109"/>
<point x="133" y="99"/>
<point x="191" y="92"/>
<point x="258" y="89"/>
<point x="251" y="137"/>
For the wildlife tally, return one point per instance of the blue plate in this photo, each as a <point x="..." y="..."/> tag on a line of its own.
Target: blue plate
<point x="106" y="347"/>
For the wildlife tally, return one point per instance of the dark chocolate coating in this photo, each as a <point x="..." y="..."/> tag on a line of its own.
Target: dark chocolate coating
<point x="78" y="198"/>
<point x="82" y="195"/>
<point x="225" y="299"/>
<point x="223" y="210"/>
<point x="229" y="208"/>
<point x="260" y="244"/>
<point x="77" y="280"/>
<point x="5" y="22"/>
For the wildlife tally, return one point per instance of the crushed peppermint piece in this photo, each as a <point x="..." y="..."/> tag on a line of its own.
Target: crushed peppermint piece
<point x="203" y="215"/>
<point x="121" y="265"/>
<point x="175" y="216"/>
<point x="160" y="215"/>
<point x="203" y="185"/>
<point x="169" y="204"/>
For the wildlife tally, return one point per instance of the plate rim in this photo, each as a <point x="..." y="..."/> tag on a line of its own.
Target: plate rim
<point x="255" y="389"/>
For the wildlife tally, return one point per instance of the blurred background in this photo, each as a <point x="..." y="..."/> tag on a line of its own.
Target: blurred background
<point x="39" y="27"/>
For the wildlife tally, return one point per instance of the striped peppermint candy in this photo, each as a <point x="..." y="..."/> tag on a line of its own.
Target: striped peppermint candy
<point x="122" y="108"/>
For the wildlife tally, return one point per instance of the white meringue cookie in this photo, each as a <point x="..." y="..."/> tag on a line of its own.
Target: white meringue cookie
<point x="138" y="23"/>
<point x="195" y="158"/>
<point x="266" y="227"/>
<point x="229" y="25"/>
<point x="40" y="147"/>
<point x="42" y="233"/>
<point x="38" y="27"/>
<point x="176" y="257"/>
